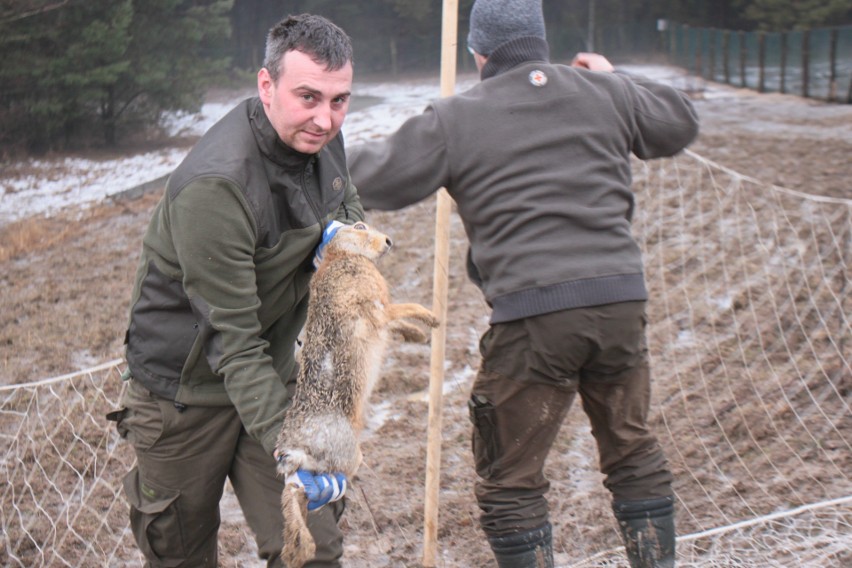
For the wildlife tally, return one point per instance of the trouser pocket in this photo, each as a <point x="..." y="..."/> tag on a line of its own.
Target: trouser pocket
<point x="141" y="419"/>
<point x="155" y="520"/>
<point x="484" y="440"/>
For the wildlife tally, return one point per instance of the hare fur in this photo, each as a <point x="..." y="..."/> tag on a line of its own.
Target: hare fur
<point x="350" y="317"/>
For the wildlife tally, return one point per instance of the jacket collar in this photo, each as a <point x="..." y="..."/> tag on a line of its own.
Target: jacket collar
<point x="270" y="144"/>
<point x="513" y="53"/>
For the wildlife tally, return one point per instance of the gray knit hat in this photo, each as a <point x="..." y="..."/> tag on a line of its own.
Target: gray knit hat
<point x="494" y="22"/>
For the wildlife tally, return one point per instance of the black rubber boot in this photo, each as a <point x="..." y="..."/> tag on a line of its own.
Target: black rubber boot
<point x="533" y="549"/>
<point x="648" y="530"/>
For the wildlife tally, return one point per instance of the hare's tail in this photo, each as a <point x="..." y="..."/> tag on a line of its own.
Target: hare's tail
<point x="299" y="546"/>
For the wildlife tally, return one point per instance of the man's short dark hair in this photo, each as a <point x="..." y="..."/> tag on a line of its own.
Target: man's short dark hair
<point x="313" y="35"/>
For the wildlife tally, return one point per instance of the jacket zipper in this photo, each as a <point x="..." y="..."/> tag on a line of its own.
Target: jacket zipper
<point x="311" y="166"/>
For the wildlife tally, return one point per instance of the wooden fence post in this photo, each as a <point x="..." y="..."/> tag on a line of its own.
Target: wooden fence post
<point x="806" y="57"/>
<point x="832" y="57"/>
<point x="699" y="52"/>
<point x="449" y="57"/>
<point x="783" y="86"/>
<point x="712" y="55"/>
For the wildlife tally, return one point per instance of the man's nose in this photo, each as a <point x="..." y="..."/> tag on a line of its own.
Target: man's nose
<point x="322" y="117"/>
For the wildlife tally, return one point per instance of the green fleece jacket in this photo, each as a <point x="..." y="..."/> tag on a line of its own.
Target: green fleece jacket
<point x="537" y="159"/>
<point x="222" y="284"/>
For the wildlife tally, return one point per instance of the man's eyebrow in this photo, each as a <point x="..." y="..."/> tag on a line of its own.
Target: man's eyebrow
<point x="317" y="92"/>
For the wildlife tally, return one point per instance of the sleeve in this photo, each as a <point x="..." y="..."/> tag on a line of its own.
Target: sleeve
<point x="403" y="169"/>
<point x="214" y="236"/>
<point x="665" y="120"/>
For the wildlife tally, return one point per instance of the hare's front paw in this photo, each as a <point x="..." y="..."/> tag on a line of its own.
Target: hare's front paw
<point x="289" y="460"/>
<point x="409" y="332"/>
<point x="431" y="320"/>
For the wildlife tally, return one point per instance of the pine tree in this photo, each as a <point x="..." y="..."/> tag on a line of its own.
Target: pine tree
<point x="104" y="66"/>
<point x="784" y="15"/>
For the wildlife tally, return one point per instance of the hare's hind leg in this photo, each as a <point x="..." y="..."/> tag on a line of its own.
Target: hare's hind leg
<point x="299" y="545"/>
<point x="412" y="311"/>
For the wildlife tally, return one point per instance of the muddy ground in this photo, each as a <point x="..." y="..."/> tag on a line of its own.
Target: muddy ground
<point x="64" y="302"/>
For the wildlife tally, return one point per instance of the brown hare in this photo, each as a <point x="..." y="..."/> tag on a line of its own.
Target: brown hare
<point x="350" y="316"/>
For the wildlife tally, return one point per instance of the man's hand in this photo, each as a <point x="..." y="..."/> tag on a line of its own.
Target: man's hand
<point x="327" y="234"/>
<point x="320" y="488"/>
<point x="592" y="62"/>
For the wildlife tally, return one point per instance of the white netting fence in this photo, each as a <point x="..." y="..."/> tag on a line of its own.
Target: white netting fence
<point x="61" y="502"/>
<point x="750" y="337"/>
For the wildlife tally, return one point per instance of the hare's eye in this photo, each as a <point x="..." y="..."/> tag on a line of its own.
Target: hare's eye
<point x="359" y="226"/>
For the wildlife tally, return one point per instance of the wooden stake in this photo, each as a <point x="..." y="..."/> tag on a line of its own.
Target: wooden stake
<point x="449" y="54"/>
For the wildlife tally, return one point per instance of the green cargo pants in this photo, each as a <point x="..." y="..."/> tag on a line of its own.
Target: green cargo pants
<point x="184" y="457"/>
<point x="531" y="371"/>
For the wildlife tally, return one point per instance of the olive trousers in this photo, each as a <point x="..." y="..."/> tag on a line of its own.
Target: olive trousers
<point x="531" y="371"/>
<point x="184" y="455"/>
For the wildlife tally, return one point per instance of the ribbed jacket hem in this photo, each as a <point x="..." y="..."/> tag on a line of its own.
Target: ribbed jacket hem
<point x="568" y="295"/>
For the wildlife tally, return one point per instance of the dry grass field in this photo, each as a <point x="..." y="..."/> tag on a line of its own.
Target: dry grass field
<point x="66" y="285"/>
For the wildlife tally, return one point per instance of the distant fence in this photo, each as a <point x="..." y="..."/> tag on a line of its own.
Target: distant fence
<point x="814" y="63"/>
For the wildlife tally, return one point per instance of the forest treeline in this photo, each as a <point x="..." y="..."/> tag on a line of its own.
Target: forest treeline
<point x="78" y="73"/>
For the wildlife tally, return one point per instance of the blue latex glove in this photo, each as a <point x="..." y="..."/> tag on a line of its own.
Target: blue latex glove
<point x="320" y="488"/>
<point x="327" y="234"/>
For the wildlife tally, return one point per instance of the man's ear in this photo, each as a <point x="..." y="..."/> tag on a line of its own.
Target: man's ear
<point x="264" y="86"/>
<point x="480" y="60"/>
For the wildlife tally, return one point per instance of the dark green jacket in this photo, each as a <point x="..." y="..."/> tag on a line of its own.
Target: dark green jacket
<point x="537" y="157"/>
<point x="222" y="284"/>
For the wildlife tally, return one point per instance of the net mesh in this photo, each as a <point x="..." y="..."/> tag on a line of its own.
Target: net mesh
<point x="750" y="341"/>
